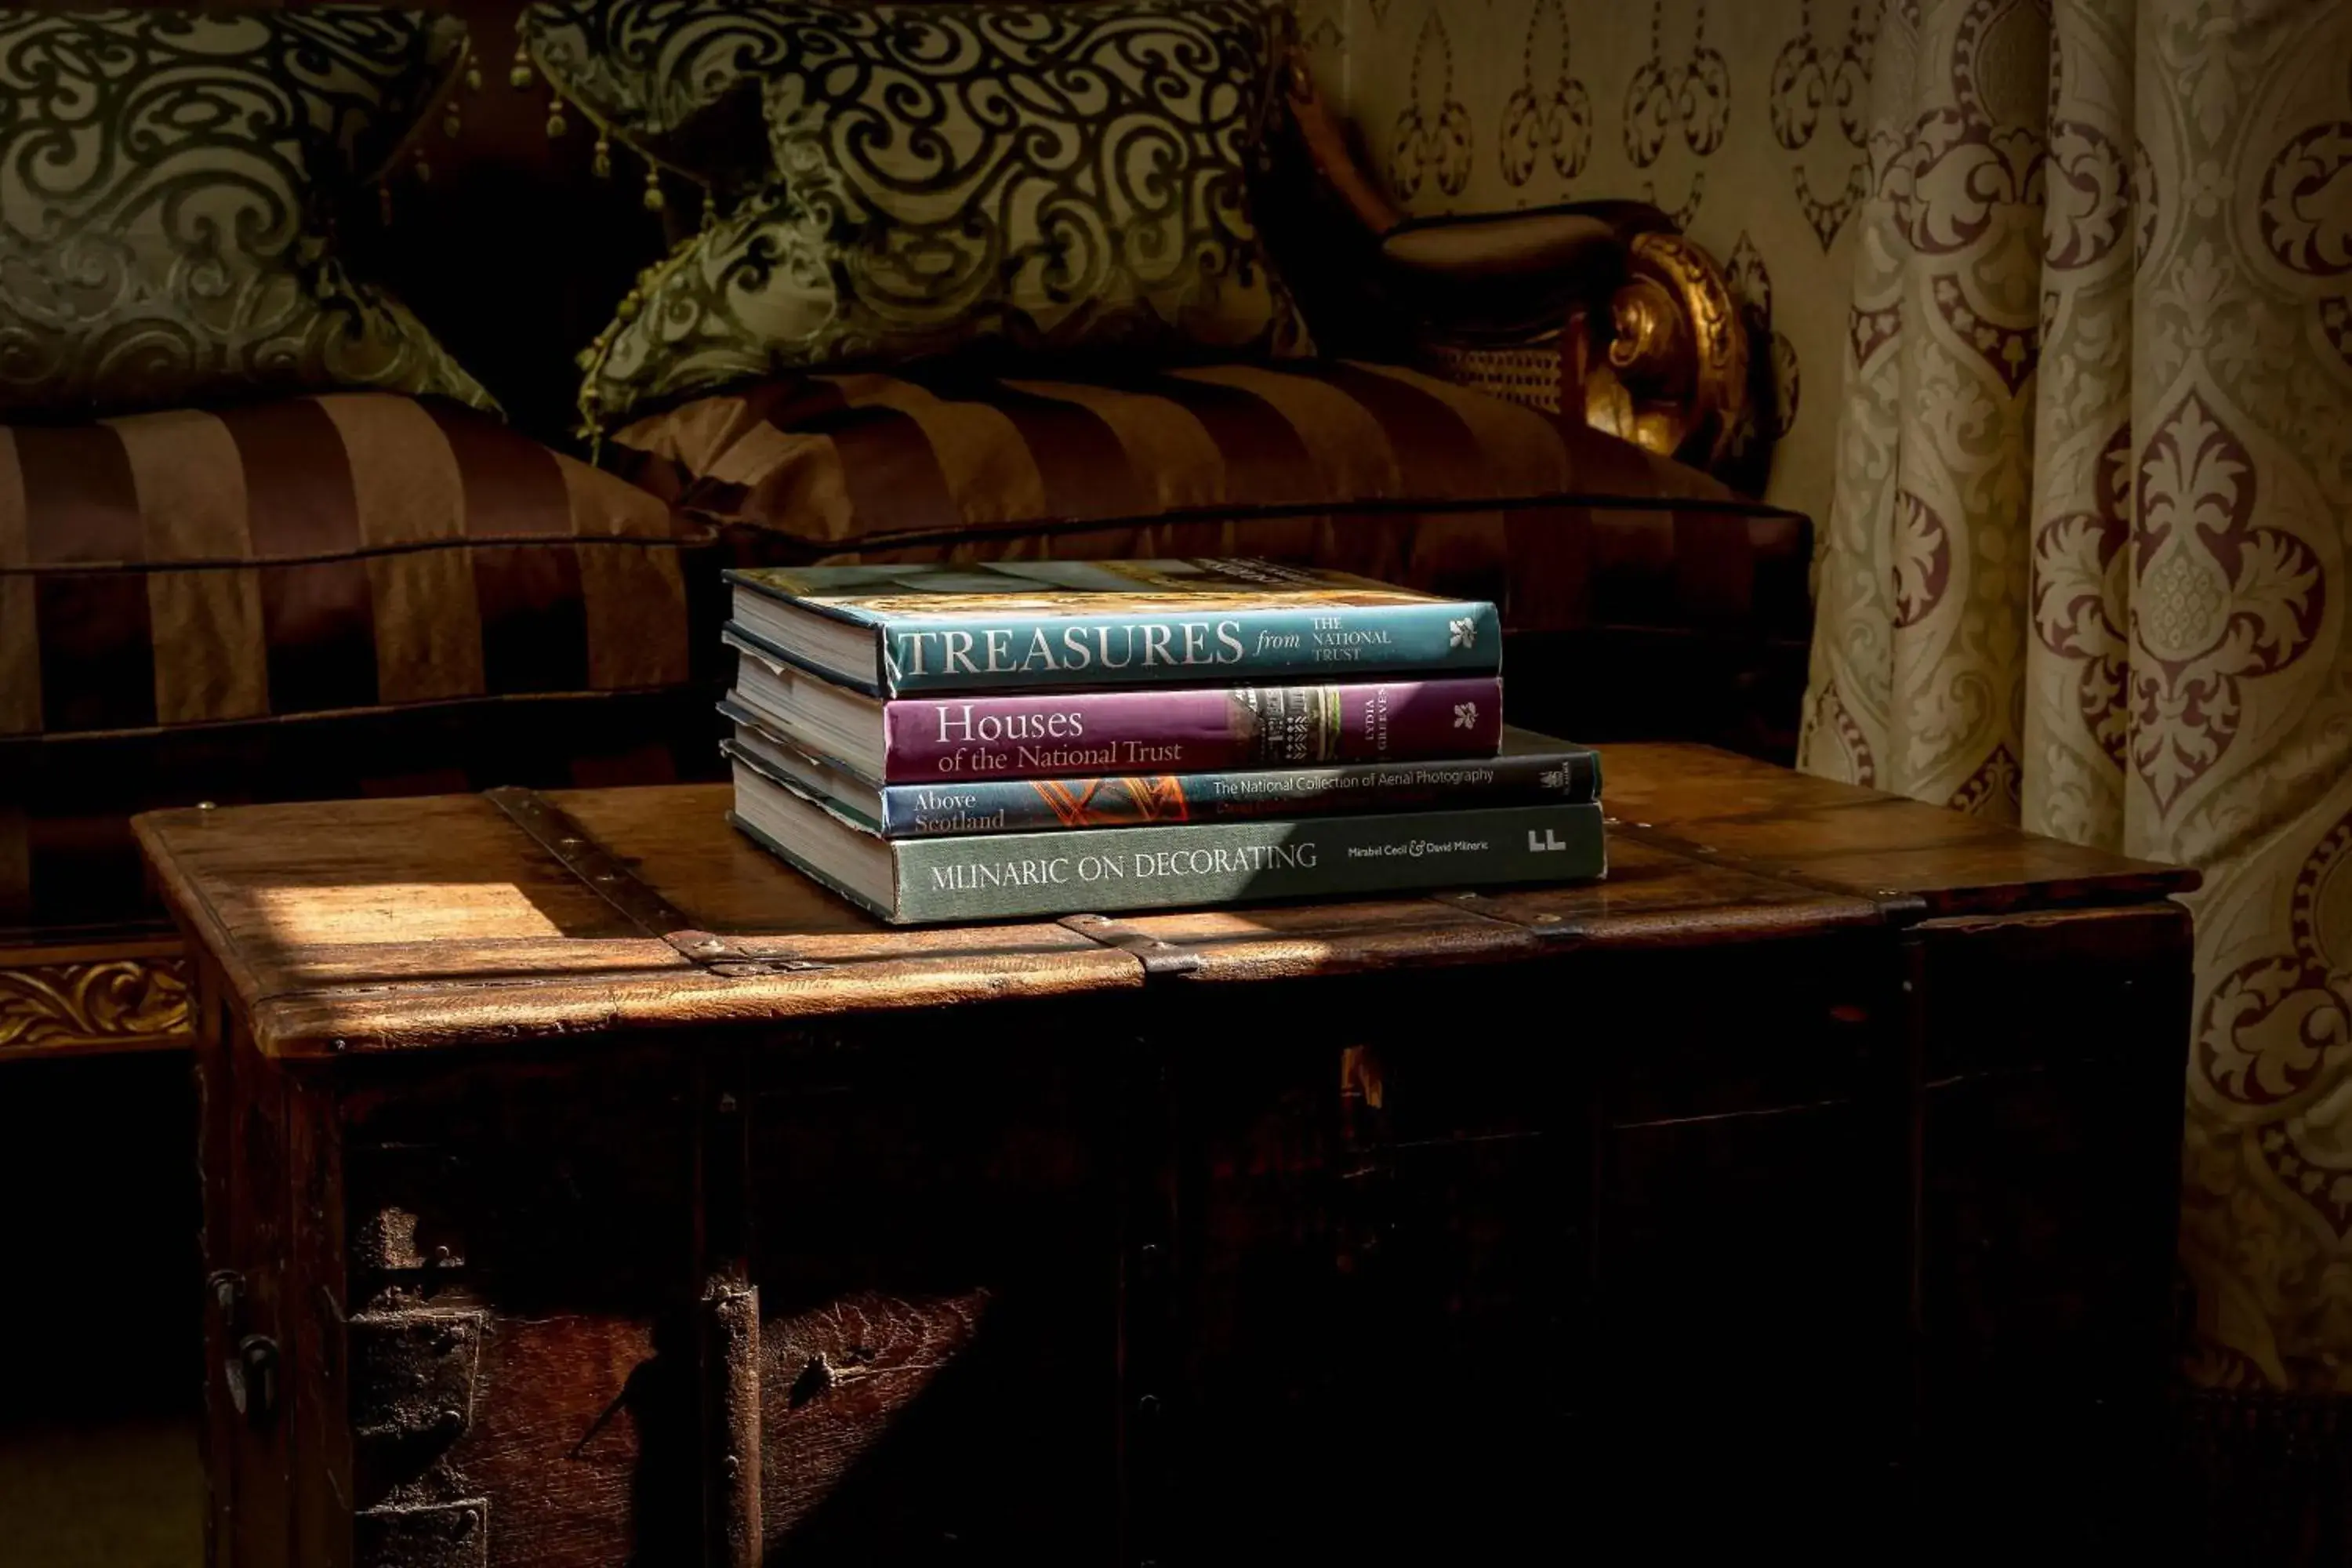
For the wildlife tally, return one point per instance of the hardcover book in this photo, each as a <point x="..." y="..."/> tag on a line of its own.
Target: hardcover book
<point x="951" y="739"/>
<point x="1045" y="625"/>
<point x="1531" y="770"/>
<point x="917" y="882"/>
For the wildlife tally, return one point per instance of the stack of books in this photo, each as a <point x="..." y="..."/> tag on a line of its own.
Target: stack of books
<point x="945" y="742"/>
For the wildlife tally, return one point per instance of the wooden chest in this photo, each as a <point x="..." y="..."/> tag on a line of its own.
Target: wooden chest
<point x="583" y="1187"/>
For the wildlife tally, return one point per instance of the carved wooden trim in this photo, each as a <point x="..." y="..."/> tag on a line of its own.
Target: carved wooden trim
<point x="83" y="1001"/>
<point x="1665" y="363"/>
<point x="1326" y="145"/>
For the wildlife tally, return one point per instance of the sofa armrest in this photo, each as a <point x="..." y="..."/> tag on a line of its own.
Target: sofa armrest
<point x="1598" y="310"/>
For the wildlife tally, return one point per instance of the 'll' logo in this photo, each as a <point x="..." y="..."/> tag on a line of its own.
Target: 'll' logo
<point x="1548" y="844"/>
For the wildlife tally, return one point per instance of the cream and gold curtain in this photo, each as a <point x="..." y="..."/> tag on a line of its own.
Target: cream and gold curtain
<point x="2084" y="563"/>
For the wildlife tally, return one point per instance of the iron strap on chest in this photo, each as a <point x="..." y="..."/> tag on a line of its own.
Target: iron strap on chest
<point x="613" y="880"/>
<point x="638" y="901"/>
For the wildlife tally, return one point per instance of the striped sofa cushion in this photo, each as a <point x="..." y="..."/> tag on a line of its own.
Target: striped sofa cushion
<point x="1372" y="469"/>
<point x="344" y="594"/>
<point x="319" y="555"/>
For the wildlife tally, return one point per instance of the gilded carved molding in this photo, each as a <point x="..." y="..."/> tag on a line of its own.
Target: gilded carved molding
<point x="1671" y="370"/>
<point x="102" y="1003"/>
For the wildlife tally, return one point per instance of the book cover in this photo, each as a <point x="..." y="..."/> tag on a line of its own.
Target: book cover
<point x="1035" y="624"/>
<point x="1530" y="770"/>
<point x="1008" y="876"/>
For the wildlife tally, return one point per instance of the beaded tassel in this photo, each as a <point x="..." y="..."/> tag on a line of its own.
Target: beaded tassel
<point x="519" y="74"/>
<point x="655" y="200"/>
<point x="556" y="124"/>
<point x="603" y="160"/>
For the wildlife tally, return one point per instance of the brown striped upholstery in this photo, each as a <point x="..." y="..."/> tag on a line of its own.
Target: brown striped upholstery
<point x="348" y="594"/>
<point x="321" y="554"/>
<point x="1371" y="468"/>
<point x="357" y="595"/>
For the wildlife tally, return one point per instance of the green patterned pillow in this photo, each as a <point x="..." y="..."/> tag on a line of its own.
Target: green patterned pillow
<point x="166" y="181"/>
<point x="1055" y="178"/>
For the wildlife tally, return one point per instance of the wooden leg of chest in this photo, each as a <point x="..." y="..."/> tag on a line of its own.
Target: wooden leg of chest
<point x="2049" y="1052"/>
<point x="246" y="1236"/>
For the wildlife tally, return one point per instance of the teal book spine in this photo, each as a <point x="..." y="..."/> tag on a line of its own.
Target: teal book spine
<point x="1193" y="648"/>
<point x="943" y="880"/>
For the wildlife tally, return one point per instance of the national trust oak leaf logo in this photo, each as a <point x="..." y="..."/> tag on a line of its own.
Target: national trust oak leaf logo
<point x="1463" y="633"/>
<point x="1466" y="715"/>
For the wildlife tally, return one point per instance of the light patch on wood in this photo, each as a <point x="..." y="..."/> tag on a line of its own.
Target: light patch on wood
<point x="838" y="1375"/>
<point x="400" y="911"/>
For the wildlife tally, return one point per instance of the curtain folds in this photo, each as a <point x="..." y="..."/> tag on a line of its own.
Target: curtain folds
<point x="2086" y="565"/>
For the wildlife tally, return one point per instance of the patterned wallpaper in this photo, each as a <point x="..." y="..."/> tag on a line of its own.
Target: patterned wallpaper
<point x="1742" y="117"/>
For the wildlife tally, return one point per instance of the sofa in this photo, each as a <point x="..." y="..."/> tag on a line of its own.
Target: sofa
<point x="357" y="590"/>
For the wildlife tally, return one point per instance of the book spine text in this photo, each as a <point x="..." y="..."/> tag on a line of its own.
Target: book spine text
<point x="957" y="739"/>
<point x="1200" y="647"/>
<point x="1166" y="867"/>
<point x="1038" y="805"/>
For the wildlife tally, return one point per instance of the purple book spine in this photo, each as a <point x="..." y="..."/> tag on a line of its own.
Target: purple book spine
<point x="1113" y="731"/>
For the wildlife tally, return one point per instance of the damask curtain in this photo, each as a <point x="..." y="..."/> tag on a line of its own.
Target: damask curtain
<point x="2084" y="567"/>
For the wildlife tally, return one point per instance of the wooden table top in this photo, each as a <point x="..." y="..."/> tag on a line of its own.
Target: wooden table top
<point x="356" y="926"/>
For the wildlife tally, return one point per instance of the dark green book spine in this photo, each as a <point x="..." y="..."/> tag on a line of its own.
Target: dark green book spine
<point x="1090" y="870"/>
<point x="1562" y="777"/>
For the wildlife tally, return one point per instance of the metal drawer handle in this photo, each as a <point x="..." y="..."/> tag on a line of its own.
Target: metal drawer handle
<point x="252" y="1373"/>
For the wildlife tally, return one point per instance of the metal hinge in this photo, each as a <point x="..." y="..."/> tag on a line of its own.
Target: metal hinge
<point x="1157" y="957"/>
<point x="412" y="1374"/>
<point x="434" y="1535"/>
<point x="723" y="956"/>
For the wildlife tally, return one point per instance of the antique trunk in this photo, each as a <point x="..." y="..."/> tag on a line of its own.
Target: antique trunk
<point x="583" y="1187"/>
